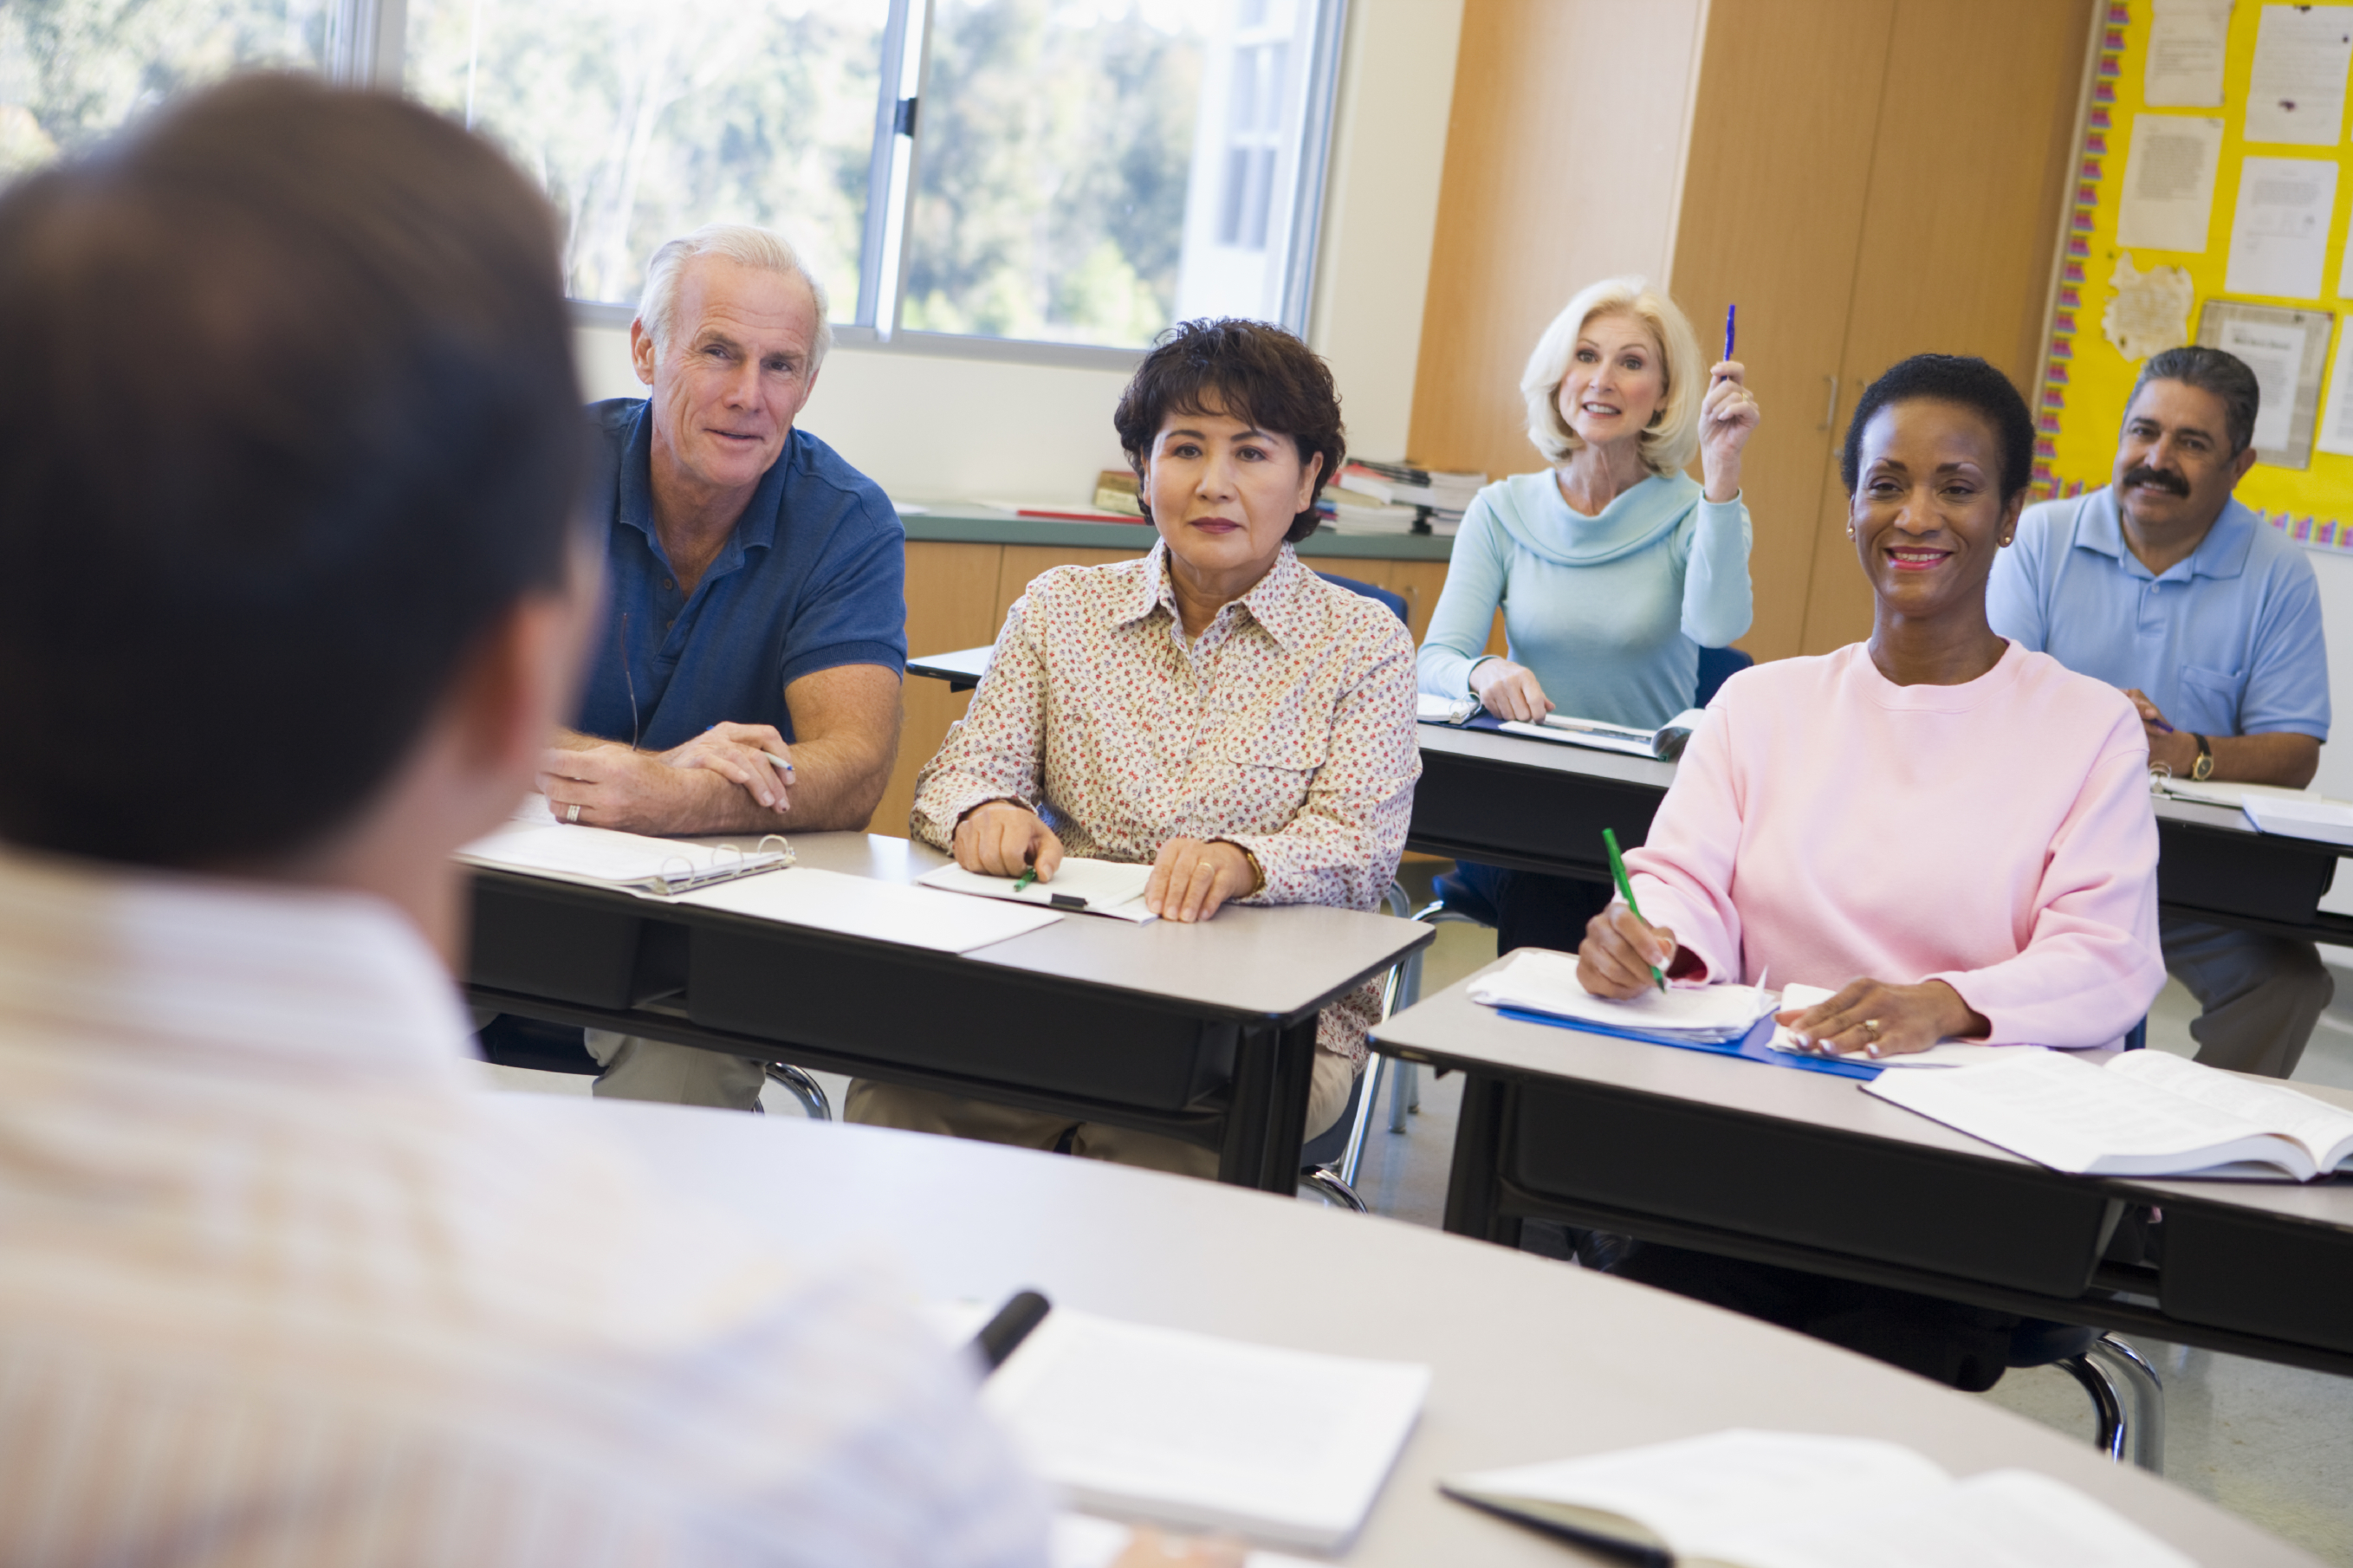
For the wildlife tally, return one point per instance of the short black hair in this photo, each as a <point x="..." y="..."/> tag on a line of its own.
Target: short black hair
<point x="1961" y="379"/>
<point x="2225" y="376"/>
<point x="289" y="419"/>
<point x="1258" y="374"/>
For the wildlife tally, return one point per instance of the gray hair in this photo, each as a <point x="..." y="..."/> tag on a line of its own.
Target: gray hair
<point x="2210" y="369"/>
<point x="1673" y="434"/>
<point x="739" y="242"/>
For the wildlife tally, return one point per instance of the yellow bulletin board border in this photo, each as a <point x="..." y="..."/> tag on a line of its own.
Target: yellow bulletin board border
<point x="2085" y="381"/>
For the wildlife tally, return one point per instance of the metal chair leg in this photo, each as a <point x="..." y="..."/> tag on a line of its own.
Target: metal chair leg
<point x="1367" y="1094"/>
<point x="1405" y="1093"/>
<point x="2127" y="1402"/>
<point x="1333" y="1187"/>
<point x="803" y="1088"/>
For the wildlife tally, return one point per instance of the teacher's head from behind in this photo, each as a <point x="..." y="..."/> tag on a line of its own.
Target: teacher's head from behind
<point x="1936" y="465"/>
<point x="1232" y="426"/>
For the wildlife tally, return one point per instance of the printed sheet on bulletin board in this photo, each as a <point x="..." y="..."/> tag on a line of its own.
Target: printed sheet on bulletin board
<point x="2211" y="199"/>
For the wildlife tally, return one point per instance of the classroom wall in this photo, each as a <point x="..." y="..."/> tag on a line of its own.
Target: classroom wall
<point x="924" y="426"/>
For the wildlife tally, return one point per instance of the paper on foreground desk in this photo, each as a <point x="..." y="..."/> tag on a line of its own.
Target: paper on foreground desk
<point x="1531" y="1360"/>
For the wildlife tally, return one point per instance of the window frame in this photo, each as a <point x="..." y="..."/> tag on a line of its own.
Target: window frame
<point x="367" y="39"/>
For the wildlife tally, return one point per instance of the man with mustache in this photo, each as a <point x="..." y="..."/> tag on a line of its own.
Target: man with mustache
<point x="2164" y="584"/>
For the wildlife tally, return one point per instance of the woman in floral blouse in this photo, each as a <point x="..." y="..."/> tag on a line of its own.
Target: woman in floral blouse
<point x="1215" y="709"/>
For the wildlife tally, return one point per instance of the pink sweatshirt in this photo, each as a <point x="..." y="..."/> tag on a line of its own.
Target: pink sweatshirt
<point x="1997" y="836"/>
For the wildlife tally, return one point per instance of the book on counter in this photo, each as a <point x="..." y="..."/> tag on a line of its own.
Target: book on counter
<point x="2143" y="1113"/>
<point x="1789" y="1500"/>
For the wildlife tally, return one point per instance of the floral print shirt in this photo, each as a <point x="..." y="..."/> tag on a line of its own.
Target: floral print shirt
<point x="1286" y="727"/>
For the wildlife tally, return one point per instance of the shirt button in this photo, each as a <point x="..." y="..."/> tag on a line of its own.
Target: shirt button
<point x="669" y="587"/>
<point x="668" y="624"/>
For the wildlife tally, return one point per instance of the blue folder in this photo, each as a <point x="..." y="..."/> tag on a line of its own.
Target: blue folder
<point x="1752" y="1047"/>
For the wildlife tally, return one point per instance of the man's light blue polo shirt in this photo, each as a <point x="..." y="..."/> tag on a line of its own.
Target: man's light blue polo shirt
<point x="813" y="578"/>
<point x="2227" y="642"/>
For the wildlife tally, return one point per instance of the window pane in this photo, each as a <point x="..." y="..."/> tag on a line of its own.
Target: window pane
<point x="1090" y="170"/>
<point x="644" y="119"/>
<point x="72" y="70"/>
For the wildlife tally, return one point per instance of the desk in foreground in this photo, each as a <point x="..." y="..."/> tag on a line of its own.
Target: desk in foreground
<point x="1531" y="1360"/>
<point x="1803" y="1170"/>
<point x="1202" y="1032"/>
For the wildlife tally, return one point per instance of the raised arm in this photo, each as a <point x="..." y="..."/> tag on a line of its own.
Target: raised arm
<point x="1718" y="603"/>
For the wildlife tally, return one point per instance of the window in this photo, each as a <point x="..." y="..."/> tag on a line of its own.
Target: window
<point x="1072" y="172"/>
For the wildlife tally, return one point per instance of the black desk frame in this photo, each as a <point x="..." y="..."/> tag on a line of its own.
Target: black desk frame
<point x="628" y="965"/>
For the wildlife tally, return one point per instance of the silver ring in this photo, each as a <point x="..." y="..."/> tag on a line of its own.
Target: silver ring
<point x="573" y="814"/>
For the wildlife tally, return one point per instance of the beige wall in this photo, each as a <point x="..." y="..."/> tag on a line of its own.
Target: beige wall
<point x="966" y="428"/>
<point x="1564" y="164"/>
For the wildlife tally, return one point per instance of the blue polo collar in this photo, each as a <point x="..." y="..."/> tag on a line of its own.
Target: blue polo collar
<point x="633" y="498"/>
<point x="2221" y="553"/>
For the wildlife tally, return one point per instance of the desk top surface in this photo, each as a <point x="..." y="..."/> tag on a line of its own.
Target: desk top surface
<point x="1532" y="1360"/>
<point x="1262" y="963"/>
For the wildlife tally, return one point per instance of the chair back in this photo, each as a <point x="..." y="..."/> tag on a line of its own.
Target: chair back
<point x="1717" y="665"/>
<point x="1395" y="602"/>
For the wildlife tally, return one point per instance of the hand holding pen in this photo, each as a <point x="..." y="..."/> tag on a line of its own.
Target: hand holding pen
<point x="1728" y="416"/>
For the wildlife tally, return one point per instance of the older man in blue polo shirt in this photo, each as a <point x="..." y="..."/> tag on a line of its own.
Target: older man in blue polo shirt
<point x="746" y="679"/>
<point x="2165" y="585"/>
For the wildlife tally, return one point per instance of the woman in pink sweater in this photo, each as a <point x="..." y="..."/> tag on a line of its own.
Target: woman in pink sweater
<point x="1951" y="832"/>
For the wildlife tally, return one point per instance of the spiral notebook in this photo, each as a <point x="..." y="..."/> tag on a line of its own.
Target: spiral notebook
<point x="625" y="862"/>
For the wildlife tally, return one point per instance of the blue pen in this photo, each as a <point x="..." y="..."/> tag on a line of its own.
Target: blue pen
<point x="1729" y="312"/>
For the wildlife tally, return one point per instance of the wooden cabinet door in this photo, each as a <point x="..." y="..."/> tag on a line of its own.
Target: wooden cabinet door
<point x="950" y="605"/>
<point x="1969" y="175"/>
<point x="1789" y="92"/>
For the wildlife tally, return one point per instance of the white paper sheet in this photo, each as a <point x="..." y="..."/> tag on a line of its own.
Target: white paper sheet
<point x="2169" y="182"/>
<point x="1432" y="708"/>
<point x="2275" y="352"/>
<point x="2186" y="43"/>
<point x="1289" y="1446"/>
<point x="2297" y="93"/>
<point x="1111" y="888"/>
<point x="2337" y="403"/>
<point x="2325" y="821"/>
<point x="1543" y="982"/>
<point x="599" y="857"/>
<point x="879" y="912"/>
<point x="2279" y="238"/>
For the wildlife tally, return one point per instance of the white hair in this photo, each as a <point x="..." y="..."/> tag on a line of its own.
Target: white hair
<point x="1673" y="434"/>
<point x="739" y="242"/>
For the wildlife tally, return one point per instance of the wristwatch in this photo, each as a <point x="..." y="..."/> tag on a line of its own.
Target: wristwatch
<point x="2204" y="766"/>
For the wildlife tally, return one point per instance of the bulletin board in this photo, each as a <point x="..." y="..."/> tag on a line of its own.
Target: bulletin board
<point x="2132" y="277"/>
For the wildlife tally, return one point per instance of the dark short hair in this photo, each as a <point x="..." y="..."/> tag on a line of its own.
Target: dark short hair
<point x="1257" y="372"/>
<point x="2225" y="376"/>
<point x="1965" y="381"/>
<point x="289" y="419"/>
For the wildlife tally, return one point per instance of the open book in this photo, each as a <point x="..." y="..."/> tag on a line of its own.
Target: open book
<point x="2145" y="1113"/>
<point x="1787" y="1500"/>
<point x="1665" y="742"/>
<point x="1286" y="1447"/>
<point x="1111" y="888"/>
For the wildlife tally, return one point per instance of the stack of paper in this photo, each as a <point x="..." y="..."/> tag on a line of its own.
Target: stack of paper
<point x="2307" y="816"/>
<point x="1111" y="888"/>
<point x="1287" y="1446"/>
<point x="1432" y="709"/>
<point x="1537" y="980"/>
<point x="627" y="862"/>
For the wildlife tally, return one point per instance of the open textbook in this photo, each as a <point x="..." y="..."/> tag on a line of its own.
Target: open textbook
<point x="2284" y="812"/>
<point x="2145" y="1113"/>
<point x="1787" y="1500"/>
<point x="1290" y="1447"/>
<point x="1535" y="980"/>
<point x="1111" y="888"/>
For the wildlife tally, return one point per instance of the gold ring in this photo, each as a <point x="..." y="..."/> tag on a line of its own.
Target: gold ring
<point x="1872" y="1024"/>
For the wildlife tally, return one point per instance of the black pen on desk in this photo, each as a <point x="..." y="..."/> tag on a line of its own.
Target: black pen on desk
<point x="1003" y="1334"/>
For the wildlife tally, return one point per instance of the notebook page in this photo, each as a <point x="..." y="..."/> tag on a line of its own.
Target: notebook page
<point x="2315" y="1123"/>
<point x="1703" y="1490"/>
<point x="2074" y="1117"/>
<point x="879" y="911"/>
<point x="1545" y="982"/>
<point x="1291" y="1446"/>
<point x="2016" y="1519"/>
<point x="1113" y="887"/>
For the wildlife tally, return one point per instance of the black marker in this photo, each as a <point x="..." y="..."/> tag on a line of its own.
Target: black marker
<point x="1066" y="901"/>
<point x="1003" y="1334"/>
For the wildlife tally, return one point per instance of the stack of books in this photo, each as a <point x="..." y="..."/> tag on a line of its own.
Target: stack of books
<point x="1438" y="498"/>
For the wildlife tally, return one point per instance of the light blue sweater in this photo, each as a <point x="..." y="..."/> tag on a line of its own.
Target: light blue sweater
<point x="1609" y="612"/>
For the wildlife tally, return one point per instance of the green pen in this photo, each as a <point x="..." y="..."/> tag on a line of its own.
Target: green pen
<point x="1626" y="891"/>
<point x="1029" y="875"/>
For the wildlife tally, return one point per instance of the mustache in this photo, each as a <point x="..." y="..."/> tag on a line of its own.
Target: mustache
<point x="2157" y="478"/>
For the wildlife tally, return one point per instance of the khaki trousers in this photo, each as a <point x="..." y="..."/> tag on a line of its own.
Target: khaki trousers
<point x="2260" y="994"/>
<point x="639" y="1069"/>
<point x="921" y="1111"/>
